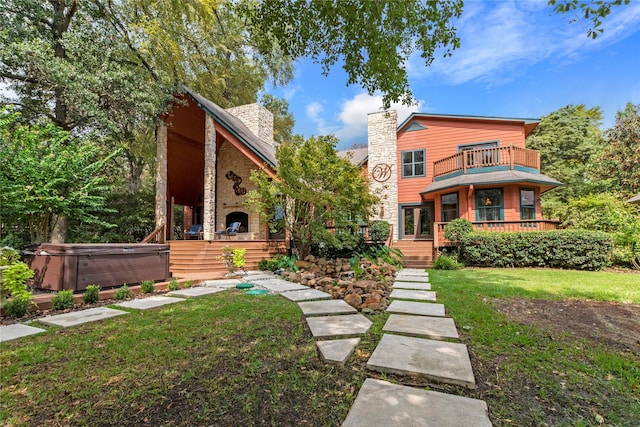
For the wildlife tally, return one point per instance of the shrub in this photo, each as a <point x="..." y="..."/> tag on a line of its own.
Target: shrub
<point x="173" y="285"/>
<point x="62" y="300"/>
<point x="91" y="295"/>
<point x="580" y="250"/>
<point x="147" y="286"/>
<point x="14" y="281"/>
<point x="341" y="244"/>
<point x="444" y="262"/>
<point x="378" y="254"/>
<point x="18" y="306"/>
<point x="187" y="284"/>
<point x="9" y="256"/>
<point x="123" y="293"/>
<point x="457" y="229"/>
<point x="379" y="231"/>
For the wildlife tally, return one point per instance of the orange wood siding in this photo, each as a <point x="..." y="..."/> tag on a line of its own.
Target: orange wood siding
<point x="441" y="139"/>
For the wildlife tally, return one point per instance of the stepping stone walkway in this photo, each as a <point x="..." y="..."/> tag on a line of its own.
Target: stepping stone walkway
<point x="337" y="351"/>
<point x="17" y="330"/>
<point x="76" y="318"/>
<point x="195" y="292"/>
<point x="319" y="308"/>
<point x="149" y="302"/>
<point x="422" y="355"/>
<point x="305" y="295"/>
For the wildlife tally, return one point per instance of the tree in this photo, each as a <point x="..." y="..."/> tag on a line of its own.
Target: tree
<point x="282" y="119"/>
<point x="618" y="166"/>
<point x="568" y="143"/>
<point x="44" y="177"/>
<point x="313" y="188"/>
<point x="593" y="11"/>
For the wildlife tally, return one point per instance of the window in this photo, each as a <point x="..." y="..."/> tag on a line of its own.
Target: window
<point x="489" y="205"/>
<point x="413" y="163"/>
<point x="449" y="207"/>
<point x="409" y="222"/>
<point x="480" y="154"/>
<point x="527" y="204"/>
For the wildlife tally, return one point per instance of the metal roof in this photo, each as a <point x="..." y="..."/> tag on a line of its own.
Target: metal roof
<point x="358" y="155"/>
<point x="497" y="177"/>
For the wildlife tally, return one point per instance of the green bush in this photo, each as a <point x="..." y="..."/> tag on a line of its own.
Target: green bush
<point x="14" y="282"/>
<point x="18" y="306"/>
<point x="122" y="293"/>
<point x="269" y="264"/>
<point x="378" y="254"/>
<point x="147" y="286"/>
<point x="62" y="300"/>
<point x="187" y="284"/>
<point x="9" y="256"/>
<point x="457" y="229"/>
<point x="173" y="285"/>
<point x="341" y="244"/>
<point x="379" y="231"/>
<point x="444" y="262"/>
<point x="579" y="250"/>
<point x="91" y="294"/>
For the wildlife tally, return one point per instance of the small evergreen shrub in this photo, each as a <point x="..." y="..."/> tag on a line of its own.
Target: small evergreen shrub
<point x="570" y="249"/>
<point x="444" y="262"/>
<point x="187" y="284"/>
<point x="173" y="285"/>
<point x="379" y="231"/>
<point x="457" y="229"/>
<point x="18" y="306"/>
<point x="63" y="300"/>
<point x="91" y="294"/>
<point x="123" y="293"/>
<point x="269" y="264"/>
<point x="147" y="286"/>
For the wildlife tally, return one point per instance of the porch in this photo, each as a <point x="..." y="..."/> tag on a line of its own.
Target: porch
<point x="496" y="226"/>
<point x="477" y="160"/>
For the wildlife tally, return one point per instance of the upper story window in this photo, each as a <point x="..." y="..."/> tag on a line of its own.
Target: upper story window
<point x="413" y="163"/>
<point x="489" y="205"/>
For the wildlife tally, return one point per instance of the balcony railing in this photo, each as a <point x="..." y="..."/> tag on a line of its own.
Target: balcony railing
<point x="487" y="157"/>
<point x="500" y="226"/>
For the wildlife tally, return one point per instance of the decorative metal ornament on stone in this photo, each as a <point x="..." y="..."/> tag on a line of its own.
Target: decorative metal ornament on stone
<point x="381" y="172"/>
<point x="240" y="191"/>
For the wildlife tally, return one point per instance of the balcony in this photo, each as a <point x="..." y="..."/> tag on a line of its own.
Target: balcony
<point x="472" y="161"/>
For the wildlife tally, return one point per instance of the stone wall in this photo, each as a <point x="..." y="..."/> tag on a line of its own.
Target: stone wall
<point x="257" y="118"/>
<point x="383" y="165"/>
<point x="231" y="161"/>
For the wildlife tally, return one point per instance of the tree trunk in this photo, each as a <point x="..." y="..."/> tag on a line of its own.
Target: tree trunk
<point x="59" y="229"/>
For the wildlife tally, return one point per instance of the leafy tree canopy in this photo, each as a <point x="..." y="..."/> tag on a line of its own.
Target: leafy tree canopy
<point x="282" y="119"/>
<point x="593" y="11"/>
<point x="314" y="188"/>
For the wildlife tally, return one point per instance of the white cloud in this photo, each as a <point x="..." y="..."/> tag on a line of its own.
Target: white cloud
<point x="353" y="115"/>
<point x="314" y="112"/>
<point x="499" y="39"/>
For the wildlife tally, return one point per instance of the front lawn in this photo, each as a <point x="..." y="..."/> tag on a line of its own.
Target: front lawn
<point x="536" y="361"/>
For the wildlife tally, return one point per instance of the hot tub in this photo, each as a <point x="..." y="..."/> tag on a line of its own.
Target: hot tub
<point x="74" y="266"/>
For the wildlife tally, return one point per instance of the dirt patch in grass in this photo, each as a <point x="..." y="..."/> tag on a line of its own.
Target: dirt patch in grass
<point x="612" y="324"/>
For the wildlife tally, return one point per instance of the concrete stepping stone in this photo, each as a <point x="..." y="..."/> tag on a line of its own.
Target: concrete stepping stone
<point x="434" y="360"/>
<point x="305" y="295"/>
<point x="75" y="318"/>
<point x="250" y="277"/>
<point x="347" y="325"/>
<point x="413" y="272"/>
<point x="411" y="278"/>
<point x="418" y="286"/>
<point x="321" y="308"/>
<point x="223" y="283"/>
<point x="17" y="330"/>
<point x="279" y="285"/>
<point x="149" y="302"/>
<point x="337" y="351"/>
<point x="417" y="308"/>
<point x="413" y="294"/>
<point x="195" y="292"/>
<point x="432" y="327"/>
<point x="380" y="403"/>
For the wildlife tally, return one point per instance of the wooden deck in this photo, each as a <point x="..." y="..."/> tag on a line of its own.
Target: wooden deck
<point x="196" y="259"/>
<point x="416" y="253"/>
<point x="487" y="157"/>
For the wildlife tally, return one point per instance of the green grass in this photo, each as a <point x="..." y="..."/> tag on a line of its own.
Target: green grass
<point x="529" y="375"/>
<point x="228" y="359"/>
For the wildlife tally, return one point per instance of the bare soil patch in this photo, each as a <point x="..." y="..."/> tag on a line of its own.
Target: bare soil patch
<point x="612" y="324"/>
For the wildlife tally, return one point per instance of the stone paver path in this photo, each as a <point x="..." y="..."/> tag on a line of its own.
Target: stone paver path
<point x="337" y="351"/>
<point x="416" y="308"/>
<point x="305" y="295"/>
<point x="76" y="318"/>
<point x="413" y="295"/>
<point x="195" y="292"/>
<point x="17" y="330"/>
<point x="380" y="403"/>
<point x="149" y="302"/>
<point x="419" y="286"/>
<point x="345" y="325"/>
<point x="321" y="308"/>
<point x="432" y="327"/>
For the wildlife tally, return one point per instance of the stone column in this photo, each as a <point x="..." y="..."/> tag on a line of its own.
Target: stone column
<point x="161" y="177"/>
<point x="209" y="209"/>
<point x="383" y="166"/>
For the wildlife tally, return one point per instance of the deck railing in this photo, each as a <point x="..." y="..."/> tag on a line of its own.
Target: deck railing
<point x="500" y="226"/>
<point x="156" y="236"/>
<point x="487" y="157"/>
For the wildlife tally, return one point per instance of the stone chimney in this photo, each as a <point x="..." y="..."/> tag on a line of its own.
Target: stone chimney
<point x="383" y="165"/>
<point x="257" y="118"/>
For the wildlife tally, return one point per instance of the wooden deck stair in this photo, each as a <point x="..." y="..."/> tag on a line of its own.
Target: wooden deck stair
<point x="417" y="253"/>
<point x="193" y="257"/>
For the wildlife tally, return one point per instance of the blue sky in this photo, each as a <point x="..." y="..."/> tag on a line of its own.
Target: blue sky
<point x="517" y="59"/>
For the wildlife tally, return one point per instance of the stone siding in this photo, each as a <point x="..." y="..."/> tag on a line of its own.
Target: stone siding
<point x="230" y="159"/>
<point x="383" y="165"/>
<point x="257" y="118"/>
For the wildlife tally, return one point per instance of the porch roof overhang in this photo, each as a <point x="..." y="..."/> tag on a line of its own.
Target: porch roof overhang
<point x="497" y="177"/>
